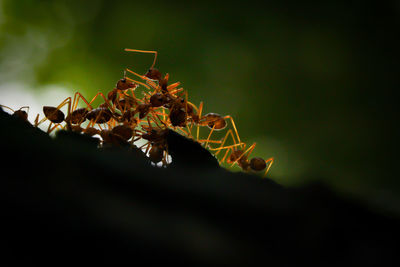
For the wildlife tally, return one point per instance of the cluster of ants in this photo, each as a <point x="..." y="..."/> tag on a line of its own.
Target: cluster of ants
<point x="123" y="119"/>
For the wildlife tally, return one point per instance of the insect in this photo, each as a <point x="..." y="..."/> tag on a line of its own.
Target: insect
<point x="156" y="146"/>
<point x="125" y="117"/>
<point x="238" y="154"/>
<point x="20" y="113"/>
<point x="180" y="113"/>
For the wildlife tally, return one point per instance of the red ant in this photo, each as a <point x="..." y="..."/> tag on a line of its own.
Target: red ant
<point x="21" y="114"/>
<point x="156" y="146"/>
<point x="241" y="157"/>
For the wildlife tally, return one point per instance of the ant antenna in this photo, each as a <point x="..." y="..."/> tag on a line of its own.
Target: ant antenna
<point x="7" y="108"/>
<point x="144" y="51"/>
<point x="26" y="107"/>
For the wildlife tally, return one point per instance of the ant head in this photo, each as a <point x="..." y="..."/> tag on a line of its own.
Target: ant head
<point x="157" y="100"/>
<point x="124" y="84"/>
<point x="153" y="74"/>
<point x="21" y="114"/>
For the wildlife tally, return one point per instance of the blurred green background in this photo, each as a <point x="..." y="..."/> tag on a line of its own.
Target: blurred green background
<point x="311" y="83"/>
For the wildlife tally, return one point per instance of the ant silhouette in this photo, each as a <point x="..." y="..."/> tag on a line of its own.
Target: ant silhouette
<point x="162" y="106"/>
<point x="241" y="157"/>
<point x="21" y="114"/>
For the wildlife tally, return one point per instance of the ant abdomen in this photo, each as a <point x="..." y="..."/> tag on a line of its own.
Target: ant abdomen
<point x="91" y="131"/>
<point x="123" y="131"/>
<point x="257" y="164"/>
<point x="53" y="114"/>
<point x="156" y="153"/>
<point x="99" y="115"/>
<point x="214" y="120"/>
<point x="77" y="116"/>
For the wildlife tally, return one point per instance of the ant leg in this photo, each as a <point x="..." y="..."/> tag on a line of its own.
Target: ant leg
<point x="134" y="96"/>
<point x="176" y="91"/>
<point x="144" y="51"/>
<point x="95" y="120"/>
<point x="105" y="100"/>
<point x="63" y="103"/>
<point x="234" y="127"/>
<point x="248" y="151"/>
<point x="199" y="114"/>
<point x="183" y="131"/>
<point x="173" y="86"/>
<point x="164" y="159"/>
<point x="208" y="138"/>
<point x="210" y="141"/>
<point x="224" y="140"/>
<point x="48" y="129"/>
<point x="186" y="105"/>
<point x="78" y="96"/>
<point x="163" y="114"/>
<point x="7" y="108"/>
<point x="189" y="129"/>
<point x="148" y="122"/>
<point x="145" y="85"/>
<point x="36" y="121"/>
<point x="194" y="106"/>
<point x="147" y="148"/>
<point x="98" y="94"/>
<point x="226" y="154"/>
<point x="90" y="124"/>
<point x="154" y="120"/>
<point x="271" y="161"/>
<point x="147" y="94"/>
<point x="54" y="127"/>
<point x="141" y="76"/>
<point x="225" y="147"/>
<point x="27" y="107"/>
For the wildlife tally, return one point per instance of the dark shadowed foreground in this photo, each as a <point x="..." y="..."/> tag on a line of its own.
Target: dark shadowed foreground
<point x="65" y="200"/>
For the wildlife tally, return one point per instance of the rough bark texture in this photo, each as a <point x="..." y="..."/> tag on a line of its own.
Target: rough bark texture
<point x="66" y="200"/>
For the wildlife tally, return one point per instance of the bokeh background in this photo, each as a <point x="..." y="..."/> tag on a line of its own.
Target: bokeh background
<point x="313" y="84"/>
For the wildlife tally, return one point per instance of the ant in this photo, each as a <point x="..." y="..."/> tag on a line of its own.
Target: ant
<point x="21" y="114"/>
<point x="74" y="116"/>
<point x="241" y="157"/>
<point x="213" y="121"/>
<point x="156" y="146"/>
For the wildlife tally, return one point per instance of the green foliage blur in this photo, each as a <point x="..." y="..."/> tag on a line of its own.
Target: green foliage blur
<point x="310" y="83"/>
